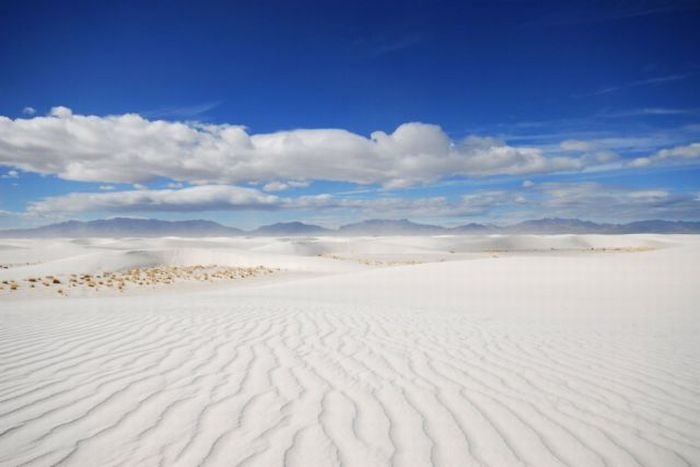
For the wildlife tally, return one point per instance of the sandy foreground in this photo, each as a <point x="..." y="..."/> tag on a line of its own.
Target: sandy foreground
<point x="405" y="351"/>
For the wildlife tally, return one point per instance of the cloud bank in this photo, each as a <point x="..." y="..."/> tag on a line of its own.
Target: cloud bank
<point x="584" y="200"/>
<point x="203" y="163"/>
<point x="132" y="149"/>
<point x="198" y="198"/>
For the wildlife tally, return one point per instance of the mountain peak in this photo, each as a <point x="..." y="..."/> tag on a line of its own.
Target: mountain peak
<point x="389" y="227"/>
<point x="290" y="228"/>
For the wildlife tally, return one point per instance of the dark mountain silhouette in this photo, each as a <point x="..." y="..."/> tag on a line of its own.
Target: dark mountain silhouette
<point x="291" y="228"/>
<point x="389" y="227"/>
<point x="474" y="228"/>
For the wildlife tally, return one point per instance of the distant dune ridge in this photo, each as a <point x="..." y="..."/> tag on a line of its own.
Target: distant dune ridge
<point x="130" y="227"/>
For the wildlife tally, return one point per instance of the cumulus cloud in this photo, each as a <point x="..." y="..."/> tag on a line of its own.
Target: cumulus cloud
<point x="10" y="174"/>
<point x="29" y="111"/>
<point x="132" y="149"/>
<point x="61" y="112"/>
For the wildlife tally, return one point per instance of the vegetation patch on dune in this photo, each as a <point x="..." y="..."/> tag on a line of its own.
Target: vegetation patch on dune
<point x="374" y="261"/>
<point x="135" y="277"/>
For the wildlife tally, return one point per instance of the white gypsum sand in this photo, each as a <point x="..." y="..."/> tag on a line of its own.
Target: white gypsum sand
<point x="577" y="350"/>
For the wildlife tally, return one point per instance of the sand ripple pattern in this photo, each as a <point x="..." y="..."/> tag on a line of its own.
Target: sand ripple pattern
<point x="264" y="383"/>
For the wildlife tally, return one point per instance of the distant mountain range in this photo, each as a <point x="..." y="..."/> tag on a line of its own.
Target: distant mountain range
<point x="125" y="227"/>
<point x="128" y="227"/>
<point x="291" y="228"/>
<point x="389" y="227"/>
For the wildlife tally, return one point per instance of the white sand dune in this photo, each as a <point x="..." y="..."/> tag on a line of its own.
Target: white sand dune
<point x="547" y="354"/>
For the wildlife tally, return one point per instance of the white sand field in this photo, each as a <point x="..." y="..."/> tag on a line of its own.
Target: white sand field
<point x="404" y="351"/>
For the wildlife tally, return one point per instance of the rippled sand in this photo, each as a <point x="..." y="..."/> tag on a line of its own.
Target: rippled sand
<point x="360" y="352"/>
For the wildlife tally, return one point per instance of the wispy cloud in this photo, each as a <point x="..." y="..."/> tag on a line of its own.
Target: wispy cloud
<point x="372" y="47"/>
<point x="211" y="197"/>
<point x="648" y="112"/>
<point x="676" y="155"/>
<point x="571" y="13"/>
<point x="186" y="111"/>
<point x="530" y="200"/>
<point x="393" y="46"/>
<point x="619" y="130"/>
<point x="639" y="83"/>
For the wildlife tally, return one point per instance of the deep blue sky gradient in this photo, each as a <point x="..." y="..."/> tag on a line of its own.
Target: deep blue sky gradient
<point x="533" y="73"/>
<point x="356" y="65"/>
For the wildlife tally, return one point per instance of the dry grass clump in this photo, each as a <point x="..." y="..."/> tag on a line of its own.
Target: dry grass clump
<point x="373" y="261"/>
<point x="495" y="252"/>
<point x="141" y="277"/>
<point x="10" y="284"/>
<point x="172" y="274"/>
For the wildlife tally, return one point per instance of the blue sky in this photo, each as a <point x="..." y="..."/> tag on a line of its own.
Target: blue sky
<point x="254" y="112"/>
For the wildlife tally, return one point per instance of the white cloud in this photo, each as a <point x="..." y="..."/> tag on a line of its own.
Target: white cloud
<point x="106" y="187"/>
<point x="690" y="151"/>
<point x="640" y="162"/>
<point x="644" y="82"/>
<point x="648" y="111"/>
<point x="570" y="194"/>
<point x="613" y="203"/>
<point x="224" y="197"/>
<point x="576" y="145"/>
<point x="275" y="186"/>
<point x="14" y="214"/>
<point x="282" y="186"/>
<point x="584" y="200"/>
<point x="199" y="198"/>
<point x="10" y="174"/>
<point x="678" y="154"/>
<point x="186" y="111"/>
<point x="29" y="111"/>
<point x="131" y="149"/>
<point x="528" y="184"/>
<point x="61" y="112"/>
